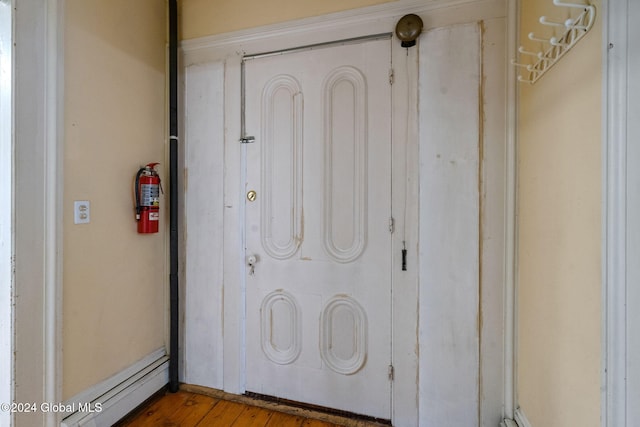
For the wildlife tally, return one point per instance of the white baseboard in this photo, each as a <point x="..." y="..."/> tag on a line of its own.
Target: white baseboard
<point x="520" y="420"/>
<point x="112" y="399"/>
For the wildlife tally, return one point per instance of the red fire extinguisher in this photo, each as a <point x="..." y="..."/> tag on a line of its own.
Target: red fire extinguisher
<point x="147" y="192"/>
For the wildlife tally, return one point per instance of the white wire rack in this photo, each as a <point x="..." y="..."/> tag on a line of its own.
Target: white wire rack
<point x="568" y="33"/>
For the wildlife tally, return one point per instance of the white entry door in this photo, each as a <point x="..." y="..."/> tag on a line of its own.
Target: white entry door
<point x="318" y="240"/>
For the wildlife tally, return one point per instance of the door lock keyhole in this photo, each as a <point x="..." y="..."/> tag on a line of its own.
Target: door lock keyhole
<point x="251" y="196"/>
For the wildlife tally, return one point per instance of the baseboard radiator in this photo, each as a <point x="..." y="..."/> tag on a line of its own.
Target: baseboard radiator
<point x="112" y="399"/>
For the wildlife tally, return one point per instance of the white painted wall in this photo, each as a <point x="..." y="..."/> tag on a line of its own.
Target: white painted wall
<point x="6" y="208"/>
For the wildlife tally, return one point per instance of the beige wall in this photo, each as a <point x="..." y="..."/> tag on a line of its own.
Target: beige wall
<point x="114" y="278"/>
<point x="559" y="348"/>
<point x="200" y="18"/>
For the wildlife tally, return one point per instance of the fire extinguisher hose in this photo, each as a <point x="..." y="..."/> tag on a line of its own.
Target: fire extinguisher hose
<point x="137" y="192"/>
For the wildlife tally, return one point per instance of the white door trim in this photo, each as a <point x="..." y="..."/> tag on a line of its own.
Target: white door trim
<point x="615" y="203"/>
<point x="511" y="234"/>
<point x="6" y="200"/>
<point x="228" y="49"/>
<point x="53" y="203"/>
<point x="38" y="83"/>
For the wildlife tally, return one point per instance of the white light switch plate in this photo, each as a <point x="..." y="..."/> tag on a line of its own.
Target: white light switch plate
<point x="81" y="212"/>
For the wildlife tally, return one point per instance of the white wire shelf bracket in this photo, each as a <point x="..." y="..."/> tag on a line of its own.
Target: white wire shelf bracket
<point x="569" y="33"/>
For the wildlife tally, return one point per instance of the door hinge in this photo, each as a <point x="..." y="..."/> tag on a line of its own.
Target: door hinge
<point x="391" y="76"/>
<point x="391" y="372"/>
<point x="392" y="225"/>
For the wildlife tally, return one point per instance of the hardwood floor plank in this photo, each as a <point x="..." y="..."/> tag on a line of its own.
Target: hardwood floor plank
<point x="224" y="413"/>
<point x="160" y="410"/>
<point x="192" y="411"/>
<point x="252" y="416"/>
<point x="279" y="419"/>
<point x="189" y="408"/>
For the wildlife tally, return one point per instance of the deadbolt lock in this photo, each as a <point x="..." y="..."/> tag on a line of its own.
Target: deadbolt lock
<point x="251" y="195"/>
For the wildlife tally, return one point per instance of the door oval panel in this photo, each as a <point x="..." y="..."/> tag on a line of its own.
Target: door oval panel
<point x="281" y="327"/>
<point x="345" y="164"/>
<point x="343" y="335"/>
<point x="281" y="158"/>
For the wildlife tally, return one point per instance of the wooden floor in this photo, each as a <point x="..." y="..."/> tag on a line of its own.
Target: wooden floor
<point x="187" y="408"/>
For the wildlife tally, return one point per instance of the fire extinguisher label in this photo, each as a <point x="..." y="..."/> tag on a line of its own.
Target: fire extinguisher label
<point x="154" y="216"/>
<point x="150" y="195"/>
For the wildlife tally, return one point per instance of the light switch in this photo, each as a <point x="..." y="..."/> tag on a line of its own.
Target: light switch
<point x="81" y="212"/>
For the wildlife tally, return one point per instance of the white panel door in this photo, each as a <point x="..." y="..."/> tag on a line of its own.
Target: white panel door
<point x="318" y="297"/>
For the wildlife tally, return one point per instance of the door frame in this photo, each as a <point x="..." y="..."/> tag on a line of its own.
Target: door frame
<point x="38" y="80"/>
<point x="226" y="52"/>
<point x="6" y="215"/>
<point x="620" y="212"/>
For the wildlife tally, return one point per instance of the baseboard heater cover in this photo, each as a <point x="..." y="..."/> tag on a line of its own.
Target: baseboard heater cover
<point x="112" y="399"/>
